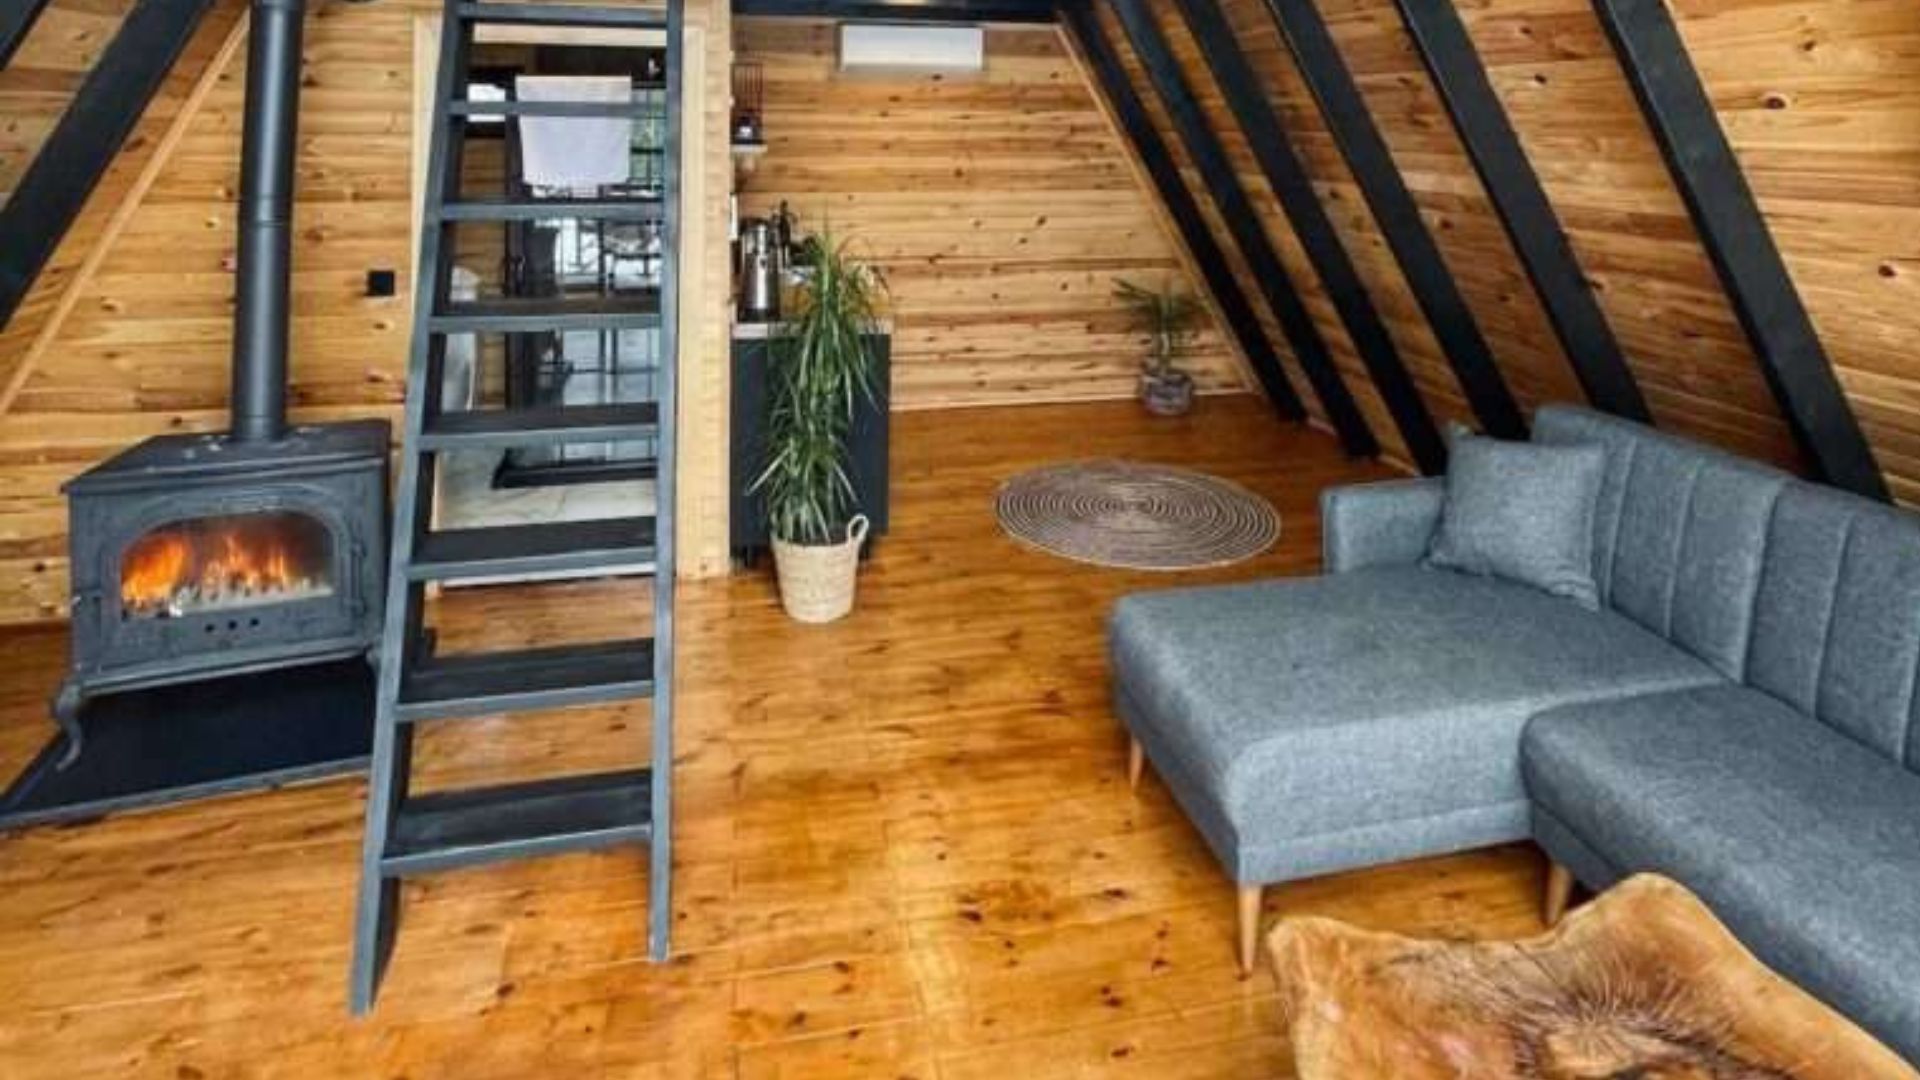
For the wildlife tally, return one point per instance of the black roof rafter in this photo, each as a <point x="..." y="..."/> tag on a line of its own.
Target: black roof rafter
<point x="56" y="185"/>
<point x="1132" y="115"/>
<point x="1522" y="206"/>
<point x="1243" y="223"/>
<point x="1734" y="232"/>
<point x="1293" y="189"/>
<point x="1398" y="216"/>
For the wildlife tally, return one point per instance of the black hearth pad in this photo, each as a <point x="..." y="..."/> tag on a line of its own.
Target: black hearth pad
<point x="173" y="743"/>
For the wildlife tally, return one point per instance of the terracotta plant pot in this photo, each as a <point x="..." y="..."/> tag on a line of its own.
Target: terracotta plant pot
<point x="817" y="580"/>
<point x="1167" y="395"/>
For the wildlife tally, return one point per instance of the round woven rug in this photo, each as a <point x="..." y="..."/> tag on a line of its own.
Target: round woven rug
<point x="1140" y="517"/>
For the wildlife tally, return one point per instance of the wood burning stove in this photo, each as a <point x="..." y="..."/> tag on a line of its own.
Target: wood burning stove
<point x="195" y="556"/>
<point x="202" y="555"/>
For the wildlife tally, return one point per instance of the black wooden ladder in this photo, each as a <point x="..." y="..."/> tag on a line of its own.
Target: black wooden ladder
<point x="407" y="833"/>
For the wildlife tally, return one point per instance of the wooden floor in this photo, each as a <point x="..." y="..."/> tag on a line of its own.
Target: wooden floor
<point x="906" y="844"/>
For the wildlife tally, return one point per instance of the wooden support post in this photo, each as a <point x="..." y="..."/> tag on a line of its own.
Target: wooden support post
<point x="1249" y="900"/>
<point x="1559" y="892"/>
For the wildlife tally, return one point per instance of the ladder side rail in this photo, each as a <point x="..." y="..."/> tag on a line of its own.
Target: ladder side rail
<point x="660" y="870"/>
<point x="378" y="894"/>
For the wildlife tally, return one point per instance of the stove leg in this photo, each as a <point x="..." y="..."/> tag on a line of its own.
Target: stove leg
<point x="66" y="713"/>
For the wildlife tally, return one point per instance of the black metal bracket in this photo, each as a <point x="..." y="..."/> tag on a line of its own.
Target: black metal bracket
<point x="1522" y="206"/>
<point x="1132" y="115"/>
<point x="1244" y="225"/>
<point x="1360" y="143"/>
<point x="96" y="123"/>
<point x="1734" y="231"/>
<point x="1294" y="191"/>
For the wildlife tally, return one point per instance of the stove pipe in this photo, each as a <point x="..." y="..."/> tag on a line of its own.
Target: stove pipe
<point x="265" y="220"/>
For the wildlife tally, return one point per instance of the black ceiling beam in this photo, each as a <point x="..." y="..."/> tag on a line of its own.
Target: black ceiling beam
<point x="1132" y="114"/>
<point x="951" y="11"/>
<point x="97" y="121"/>
<point x="1294" y="191"/>
<point x="1522" y="206"/>
<point x="16" y="22"/>
<point x="1244" y="225"/>
<point x="1398" y="216"/>
<point x="1734" y="231"/>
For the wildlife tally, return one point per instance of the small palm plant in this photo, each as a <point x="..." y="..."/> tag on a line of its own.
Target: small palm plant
<point x="1170" y="320"/>
<point x="822" y="366"/>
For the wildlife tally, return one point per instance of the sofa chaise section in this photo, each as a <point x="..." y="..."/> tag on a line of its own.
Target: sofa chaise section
<point x="1374" y="713"/>
<point x="1318" y="724"/>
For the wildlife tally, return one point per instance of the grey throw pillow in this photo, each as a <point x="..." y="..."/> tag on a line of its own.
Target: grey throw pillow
<point x="1522" y="512"/>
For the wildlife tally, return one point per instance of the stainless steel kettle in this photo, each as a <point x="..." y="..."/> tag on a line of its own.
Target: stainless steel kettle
<point x="759" y="271"/>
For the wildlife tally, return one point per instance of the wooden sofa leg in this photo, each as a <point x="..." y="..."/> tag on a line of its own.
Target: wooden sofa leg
<point x="1250" y="896"/>
<point x="1136" y="763"/>
<point x="1559" y="891"/>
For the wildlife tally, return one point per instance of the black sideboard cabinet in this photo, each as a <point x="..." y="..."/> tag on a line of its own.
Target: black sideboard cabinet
<point x="867" y="441"/>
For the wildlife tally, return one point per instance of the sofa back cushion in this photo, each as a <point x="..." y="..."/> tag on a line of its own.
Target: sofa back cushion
<point x="1680" y="532"/>
<point x="1837" y="619"/>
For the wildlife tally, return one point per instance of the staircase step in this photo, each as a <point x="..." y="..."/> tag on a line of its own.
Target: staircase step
<point x="534" y="314"/>
<point x="544" y="426"/>
<point x="564" y="15"/>
<point x="490" y="109"/>
<point x="455" y="554"/>
<point x="446" y="830"/>
<point x="483" y="684"/>
<point x="547" y="209"/>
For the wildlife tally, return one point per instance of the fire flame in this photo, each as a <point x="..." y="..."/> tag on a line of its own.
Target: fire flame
<point x="154" y="569"/>
<point x="197" y="566"/>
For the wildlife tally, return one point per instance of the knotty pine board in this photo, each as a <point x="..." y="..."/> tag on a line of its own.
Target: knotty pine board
<point x="146" y="351"/>
<point x="1001" y="208"/>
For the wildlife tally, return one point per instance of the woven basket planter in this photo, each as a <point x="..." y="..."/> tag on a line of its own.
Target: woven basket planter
<point x="817" y="580"/>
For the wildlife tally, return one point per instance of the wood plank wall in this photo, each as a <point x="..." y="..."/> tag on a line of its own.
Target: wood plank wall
<point x="1001" y="207"/>
<point x="145" y="348"/>
<point x="1820" y="102"/>
<point x="1821" y="99"/>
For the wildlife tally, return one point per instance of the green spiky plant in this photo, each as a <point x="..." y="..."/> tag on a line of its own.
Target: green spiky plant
<point x="1168" y="317"/>
<point x="821" y="368"/>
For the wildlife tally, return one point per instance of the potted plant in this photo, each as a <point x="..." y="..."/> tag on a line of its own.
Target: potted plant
<point x="821" y="366"/>
<point x="1168" y="317"/>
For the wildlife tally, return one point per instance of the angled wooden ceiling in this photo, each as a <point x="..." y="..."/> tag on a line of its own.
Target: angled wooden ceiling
<point x="1482" y="207"/>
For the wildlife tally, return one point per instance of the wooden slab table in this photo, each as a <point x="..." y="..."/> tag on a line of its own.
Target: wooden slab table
<point x="1643" y="982"/>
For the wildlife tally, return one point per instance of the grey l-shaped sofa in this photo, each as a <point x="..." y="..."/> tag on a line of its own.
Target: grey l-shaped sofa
<point x="1740" y="714"/>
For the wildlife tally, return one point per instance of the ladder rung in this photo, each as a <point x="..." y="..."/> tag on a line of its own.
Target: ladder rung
<point x="564" y="15"/>
<point x="610" y="543"/>
<point x="545" y="209"/>
<point x="582" y="109"/>
<point x="563" y="472"/>
<point x="483" y="684"/>
<point x="535" y="314"/>
<point x="481" y="429"/>
<point x="445" y="830"/>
